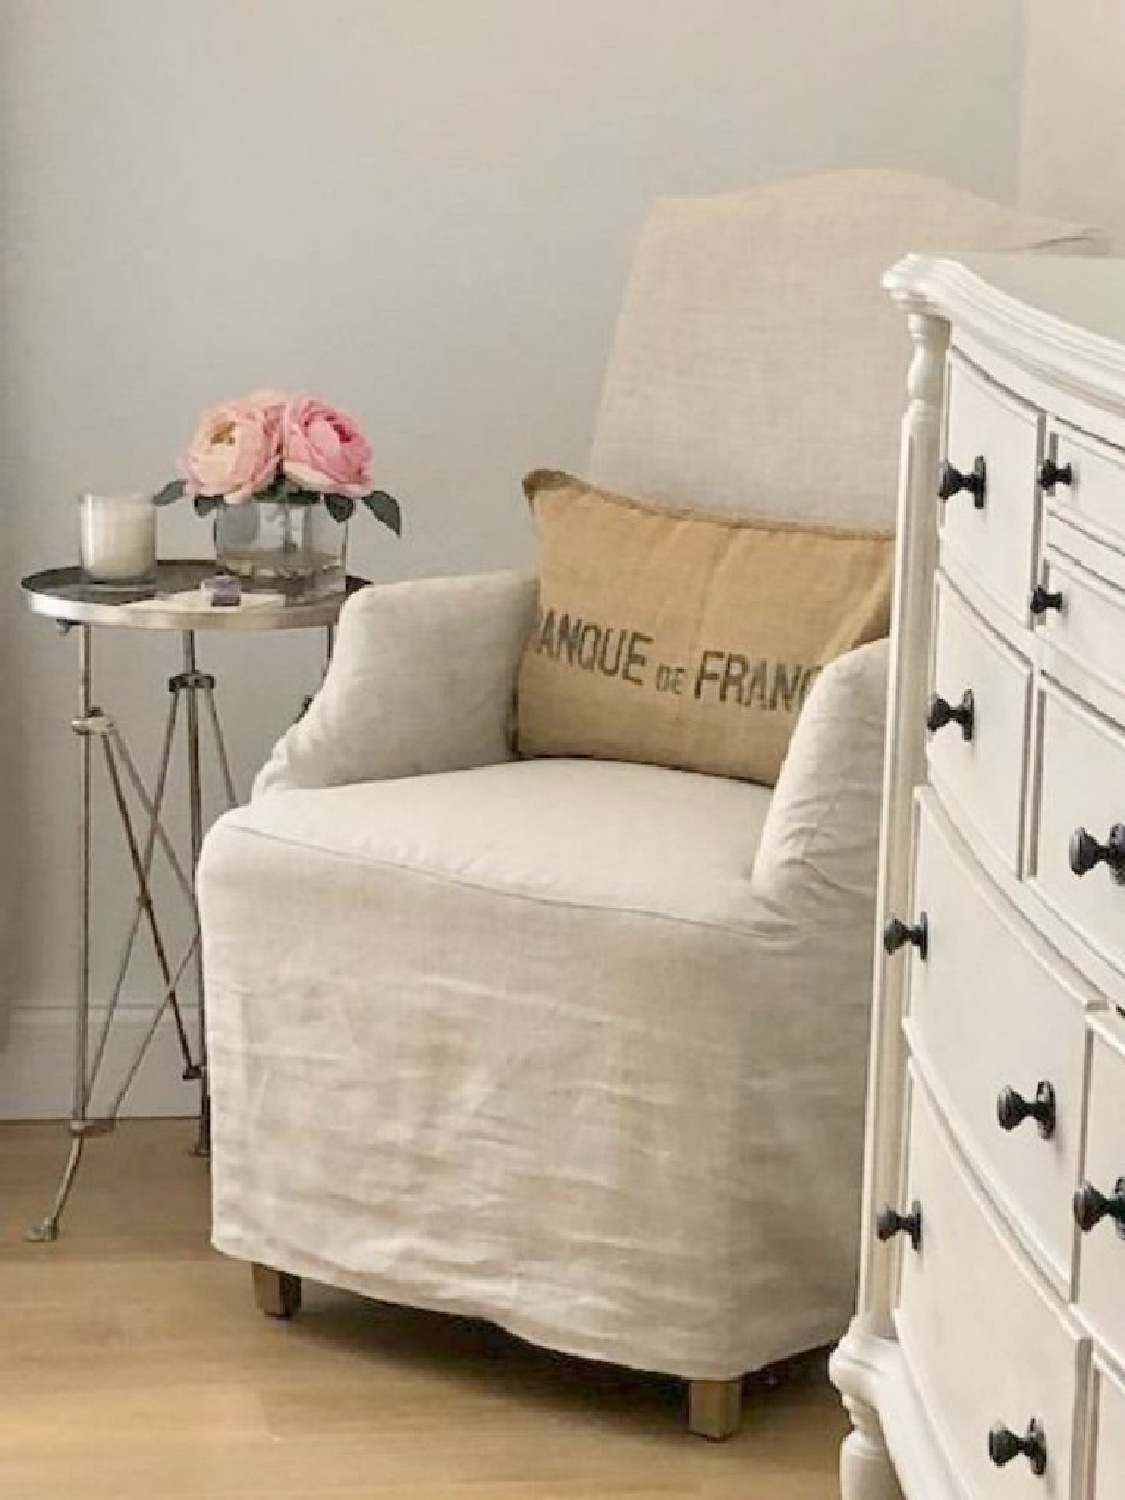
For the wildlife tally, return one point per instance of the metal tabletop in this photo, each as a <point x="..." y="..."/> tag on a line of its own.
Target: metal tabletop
<point x="64" y="594"/>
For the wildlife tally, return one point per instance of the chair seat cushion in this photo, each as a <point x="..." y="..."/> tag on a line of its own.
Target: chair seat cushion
<point x="586" y="833"/>
<point x="522" y="1042"/>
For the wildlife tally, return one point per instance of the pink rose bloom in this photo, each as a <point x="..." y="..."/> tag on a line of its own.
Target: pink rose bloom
<point x="272" y="403"/>
<point x="323" y="449"/>
<point x="235" y="450"/>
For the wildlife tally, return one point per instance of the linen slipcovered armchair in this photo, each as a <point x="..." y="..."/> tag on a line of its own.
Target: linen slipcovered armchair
<point x="575" y="1046"/>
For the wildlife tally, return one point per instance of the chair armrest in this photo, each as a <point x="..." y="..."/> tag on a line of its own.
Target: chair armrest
<point x="821" y="833"/>
<point x="421" y="680"/>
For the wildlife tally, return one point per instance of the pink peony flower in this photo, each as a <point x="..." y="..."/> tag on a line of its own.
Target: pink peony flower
<point x="323" y="449"/>
<point x="236" y="449"/>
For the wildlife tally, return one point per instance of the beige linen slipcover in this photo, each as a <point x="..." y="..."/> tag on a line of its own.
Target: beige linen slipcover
<point x="541" y="1040"/>
<point x="579" y="1047"/>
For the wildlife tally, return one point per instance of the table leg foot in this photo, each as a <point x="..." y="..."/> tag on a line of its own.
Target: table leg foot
<point x="47" y="1230"/>
<point x="43" y="1233"/>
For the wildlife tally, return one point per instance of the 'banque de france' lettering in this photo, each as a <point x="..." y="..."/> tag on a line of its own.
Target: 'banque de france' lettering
<point x="595" y="648"/>
<point x="724" y="676"/>
<point x="719" y="677"/>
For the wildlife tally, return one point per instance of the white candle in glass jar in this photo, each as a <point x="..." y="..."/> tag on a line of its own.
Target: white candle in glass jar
<point x="118" y="537"/>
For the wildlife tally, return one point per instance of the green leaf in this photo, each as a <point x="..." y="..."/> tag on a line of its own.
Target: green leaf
<point x="274" y="490"/>
<point x="205" y="504"/>
<point x="171" y="491"/>
<point x="384" y="508"/>
<point x="339" y="507"/>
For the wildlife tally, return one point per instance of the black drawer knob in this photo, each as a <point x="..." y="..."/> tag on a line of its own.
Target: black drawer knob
<point x="1012" y="1109"/>
<point x="1043" y="599"/>
<point x="889" y="1222"/>
<point x="1051" y="473"/>
<point x="951" y="481"/>
<point x="1086" y="853"/>
<point x="1004" y="1445"/>
<point x="1091" y="1207"/>
<point x="940" y="712"/>
<point x="896" y="935"/>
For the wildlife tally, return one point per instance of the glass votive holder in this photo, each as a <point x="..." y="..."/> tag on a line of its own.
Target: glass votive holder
<point x="118" y="538"/>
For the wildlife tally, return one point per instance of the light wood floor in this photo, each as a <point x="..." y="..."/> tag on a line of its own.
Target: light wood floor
<point x="133" y="1366"/>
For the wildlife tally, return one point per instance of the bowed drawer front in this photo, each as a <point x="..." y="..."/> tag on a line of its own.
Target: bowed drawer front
<point x="989" y="1346"/>
<point x="1100" y="1201"/>
<point x="1083" y="621"/>
<point x="1088" y="485"/>
<point x="976" y="722"/>
<point x="988" y="524"/>
<point x="1078" y="860"/>
<point x="1014" y="1092"/>
<point x="1109" y="1460"/>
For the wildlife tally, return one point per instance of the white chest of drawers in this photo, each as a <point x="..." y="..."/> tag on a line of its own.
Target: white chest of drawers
<point x="987" y="1356"/>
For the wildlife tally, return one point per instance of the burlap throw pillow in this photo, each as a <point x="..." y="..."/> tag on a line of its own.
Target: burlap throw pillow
<point x="685" y="640"/>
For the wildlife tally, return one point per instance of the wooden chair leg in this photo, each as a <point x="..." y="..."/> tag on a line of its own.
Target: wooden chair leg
<point x="715" y="1408"/>
<point x="277" y="1293"/>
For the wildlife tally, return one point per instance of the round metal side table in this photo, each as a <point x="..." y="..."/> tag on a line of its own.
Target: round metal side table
<point x="172" y="603"/>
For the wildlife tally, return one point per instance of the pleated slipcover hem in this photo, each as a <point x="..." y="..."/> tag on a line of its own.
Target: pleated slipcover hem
<point x="801" y="1333"/>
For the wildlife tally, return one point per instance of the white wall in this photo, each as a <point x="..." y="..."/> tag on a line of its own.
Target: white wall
<point x="423" y="209"/>
<point x="1072" y="156"/>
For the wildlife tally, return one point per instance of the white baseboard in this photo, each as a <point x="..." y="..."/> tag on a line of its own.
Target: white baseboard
<point x="36" y="1065"/>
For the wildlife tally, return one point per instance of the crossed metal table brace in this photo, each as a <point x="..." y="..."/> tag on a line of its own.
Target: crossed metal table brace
<point x="74" y="603"/>
<point x="191" y="690"/>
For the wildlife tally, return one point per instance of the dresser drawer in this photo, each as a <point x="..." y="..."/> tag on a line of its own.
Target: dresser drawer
<point x="1109" y="1439"/>
<point x="987" y="1342"/>
<point x="1101" y="1264"/>
<point x="1093" y="494"/>
<point x="1084" y="622"/>
<point x="990" y="1011"/>
<point x="1081" y="787"/>
<point x="979" y="769"/>
<point x="991" y="545"/>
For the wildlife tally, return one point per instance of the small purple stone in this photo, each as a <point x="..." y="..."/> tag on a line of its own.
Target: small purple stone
<point x="223" y="590"/>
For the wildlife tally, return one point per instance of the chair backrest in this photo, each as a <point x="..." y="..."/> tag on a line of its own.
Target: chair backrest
<point x="758" y="365"/>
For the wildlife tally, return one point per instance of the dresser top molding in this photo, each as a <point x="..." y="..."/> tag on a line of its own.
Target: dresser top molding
<point x="1059" y="317"/>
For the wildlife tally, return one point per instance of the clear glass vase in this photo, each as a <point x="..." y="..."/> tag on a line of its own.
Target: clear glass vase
<point x="283" y="546"/>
